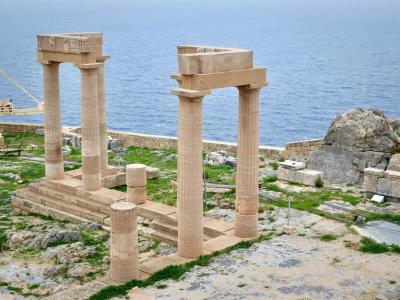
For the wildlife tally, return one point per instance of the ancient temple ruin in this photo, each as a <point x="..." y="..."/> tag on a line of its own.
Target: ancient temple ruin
<point x="201" y="70"/>
<point x="80" y="195"/>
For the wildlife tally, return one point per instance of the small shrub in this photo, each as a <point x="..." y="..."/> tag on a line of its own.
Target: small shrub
<point x="274" y="165"/>
<point x="319" y="183"/>
<point x="161" y="286"/>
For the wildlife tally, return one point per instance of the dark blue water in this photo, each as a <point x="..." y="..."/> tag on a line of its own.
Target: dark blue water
<point x="321" y="59"/>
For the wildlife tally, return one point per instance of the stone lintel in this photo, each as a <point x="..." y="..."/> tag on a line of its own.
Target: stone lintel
<point x="254" y="86"/>
<point x="180" y="92"/>
<point x="103" y="58"/>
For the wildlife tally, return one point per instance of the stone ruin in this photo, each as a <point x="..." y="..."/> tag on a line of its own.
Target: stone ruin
<point x="81" y="195"/>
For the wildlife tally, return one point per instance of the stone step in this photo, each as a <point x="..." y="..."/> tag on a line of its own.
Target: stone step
<point x="65" y="197"/>
<point x="216" y="227"/>
<point x="165" y="228"/>
<point x="34" y="207"/>
<point x="165" y="238"/>
<point x="158" y="212"/>
<point x="73" y="187"/>
<point x="61" y="205"/>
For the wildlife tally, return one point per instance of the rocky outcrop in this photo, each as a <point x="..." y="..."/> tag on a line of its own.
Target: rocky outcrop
<point x="394" y="163"/>
<point x="357" y="139"/>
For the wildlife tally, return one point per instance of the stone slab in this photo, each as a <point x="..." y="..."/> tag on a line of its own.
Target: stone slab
<point x="215" y="227"/>
<point x="374" y="171"/>
<point x="384" y="187"/>
<point x="220" y="243"/>
<point x="292" y="165"/>
<point x="310" y="176"/>
<point x="159" y="263"/>
<point x="381" y="232"/>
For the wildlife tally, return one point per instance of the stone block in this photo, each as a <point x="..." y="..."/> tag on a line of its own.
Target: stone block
<point x="394" y="163"/>
<point x="295" y="176"/>
<point x="283" y="174"/>
<point x="384" y="187"/>
<point x="392" y="175"/>
<point x="370" y="183"/>
<point x="374" y="172"/>
<point x="292" y="165"/>
<point x="152" y="173"/>
<point x="310" y="176"/>
<point x="396" y="189"/>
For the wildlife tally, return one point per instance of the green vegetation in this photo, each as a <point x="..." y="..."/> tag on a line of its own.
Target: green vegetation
<point x="14" y="139"/>
<point x="272" y="187"/>
<point x="274" y="165"/>
<point x="370" y="246"/>
<point x="173" y="272"/>
<point x="327" y="237"/>
<point x="270" y="179"/>
<point x="319" y="183"/>
<point x="220" y="174"/>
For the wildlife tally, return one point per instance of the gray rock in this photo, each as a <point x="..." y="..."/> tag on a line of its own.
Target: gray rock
<point x="152" y="173"/>
<point x="90" y="226"/>
<point x="39" y="131"/>
<point x="113" y="144"/>
<point x="356" y="140"/>
<point x="80" y="270"/>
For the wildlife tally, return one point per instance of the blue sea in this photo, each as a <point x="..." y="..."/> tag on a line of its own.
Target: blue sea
<point x="323" y="58"/>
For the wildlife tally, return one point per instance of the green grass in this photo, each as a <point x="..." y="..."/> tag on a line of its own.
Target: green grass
<point x="272" y="187"/>
<point x="221" y="174"/>
<point x="274" y="165"/>
<point x="270" y="179"/>
<point x="173" y="272"/>
<point x="327" y="237"/>
<point x="15" y="138"/>
<point x="370" y="246"/>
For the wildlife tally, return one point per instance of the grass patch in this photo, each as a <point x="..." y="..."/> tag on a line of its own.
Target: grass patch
<point x="173" y="272"/>
<point x="272" y="187"/>
<point x="370" y="246"/>
<point x="274" y="165"/>
<point x="327" y="237"/>
<point x="270" y="179"/>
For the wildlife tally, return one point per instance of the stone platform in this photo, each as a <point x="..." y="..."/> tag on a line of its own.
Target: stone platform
<point x="66" y="199"/>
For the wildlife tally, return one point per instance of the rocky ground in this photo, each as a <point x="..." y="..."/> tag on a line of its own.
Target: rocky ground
<point x="304" y="265"/>
<point x="44" y="258"/>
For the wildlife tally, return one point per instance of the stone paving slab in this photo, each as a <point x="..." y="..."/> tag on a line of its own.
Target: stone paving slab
<point x="159" y="263"/>
<point x="380" y="231"/>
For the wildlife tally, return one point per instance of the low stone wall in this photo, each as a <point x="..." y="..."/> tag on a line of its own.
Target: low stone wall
<point x="382" y="182"/>
<point x="301" y="149"/>
<point x="149" y="141"/>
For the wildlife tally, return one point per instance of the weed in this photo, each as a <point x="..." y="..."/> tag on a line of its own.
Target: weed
<point x="319" y="183"/>
<point x="161" y="286"/>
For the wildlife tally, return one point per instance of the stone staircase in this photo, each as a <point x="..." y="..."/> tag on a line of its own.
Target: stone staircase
<point x="66" y="199"/>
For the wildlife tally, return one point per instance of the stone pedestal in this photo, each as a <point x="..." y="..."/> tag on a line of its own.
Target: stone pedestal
<point x="102" y="119"/>
<point x="136" y="181"/>
<point x="190" y="178"/>
<point x="246" y="205"/>
<point x="124" y="251"/>
<point x="52" y="122"/>
<point x="91" y="175"/>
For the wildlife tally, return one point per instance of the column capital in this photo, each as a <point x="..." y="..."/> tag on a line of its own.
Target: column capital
<point x="88" y="66"/>
<point x="48" y="62"/>
<point x="253" y="86"/>
<point x="187" y="93"/>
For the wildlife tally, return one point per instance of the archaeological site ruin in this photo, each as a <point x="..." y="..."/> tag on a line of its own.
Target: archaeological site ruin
<point x="86" y="194"/>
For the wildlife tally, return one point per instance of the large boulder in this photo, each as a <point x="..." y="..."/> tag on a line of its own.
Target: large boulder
<point x="357" y="139"/>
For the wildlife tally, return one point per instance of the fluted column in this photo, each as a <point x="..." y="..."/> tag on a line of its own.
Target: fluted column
<point x="190" y="178"/>
<point x="246" y="205"/>
<point x="54" y="167"/>
<point x="102" y="119"/>
<point x="124" y="240"/>
<point x="91" y="175"/>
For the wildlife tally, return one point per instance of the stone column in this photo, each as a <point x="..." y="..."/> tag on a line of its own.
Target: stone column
<point x="136" y="180"/>
<point x="52" y="122"/>
<point x="102" y="119"/>
<point x="124" y="237"/>
<point x="91" y="175"/>
<point x="190" y="175"/>
<point x="246" y="205"/>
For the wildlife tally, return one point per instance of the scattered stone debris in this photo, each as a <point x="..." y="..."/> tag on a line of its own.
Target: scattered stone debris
<point x="220" y="158"/>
